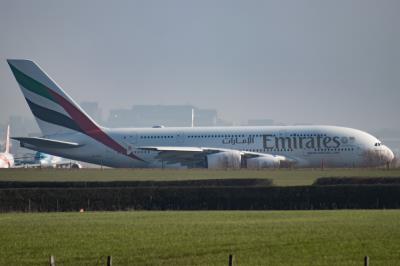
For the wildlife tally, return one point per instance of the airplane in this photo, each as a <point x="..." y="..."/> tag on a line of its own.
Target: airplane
<point x="6" y="158"/>
<point x="50" y="161"/>
<point x="43" y="160"/>
<point x="70" y="133"/>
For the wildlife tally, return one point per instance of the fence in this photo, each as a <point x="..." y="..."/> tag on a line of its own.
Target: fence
<point x="230" y="260"/>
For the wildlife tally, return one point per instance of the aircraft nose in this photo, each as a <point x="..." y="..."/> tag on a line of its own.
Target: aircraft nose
<point x="381" y="156"/>
<point x="388" y="154"/>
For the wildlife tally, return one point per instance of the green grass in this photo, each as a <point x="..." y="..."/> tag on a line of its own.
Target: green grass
<point x="281" y="177"/>
<point x="202" y="238"/>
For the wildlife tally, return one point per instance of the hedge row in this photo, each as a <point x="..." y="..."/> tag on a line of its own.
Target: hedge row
<point x="328" y="181"/>
<point x="206" y="198"/>
<point x="250" y="182"/>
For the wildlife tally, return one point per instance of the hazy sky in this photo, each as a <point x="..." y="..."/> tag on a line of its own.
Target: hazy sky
<point x="321" y="62"/>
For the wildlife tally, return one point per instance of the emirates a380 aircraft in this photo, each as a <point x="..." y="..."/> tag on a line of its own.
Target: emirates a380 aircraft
<point x="70" y="133"/>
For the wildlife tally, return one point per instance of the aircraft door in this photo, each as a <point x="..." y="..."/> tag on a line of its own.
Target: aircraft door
<point x="132" y="138"/>
<point x="131" y="141"/>
<point x="180" y="138"/>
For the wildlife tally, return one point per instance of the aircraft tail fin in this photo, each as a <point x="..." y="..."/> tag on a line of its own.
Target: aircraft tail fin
<point x="54" y="110"/>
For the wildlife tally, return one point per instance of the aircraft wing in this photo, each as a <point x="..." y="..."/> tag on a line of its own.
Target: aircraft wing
<point x="187" y="156"/>
<point x="193" y="155"/>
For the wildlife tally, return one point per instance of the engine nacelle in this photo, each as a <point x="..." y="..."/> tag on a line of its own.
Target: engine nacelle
<point x="76" y="166"/>
<point x="224" y="160"/>
<point x="265" y="161"/>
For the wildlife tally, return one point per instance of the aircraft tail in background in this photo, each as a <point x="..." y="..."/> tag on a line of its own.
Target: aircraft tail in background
<point x="7" y="150"/>
<point x="6" y="158"/>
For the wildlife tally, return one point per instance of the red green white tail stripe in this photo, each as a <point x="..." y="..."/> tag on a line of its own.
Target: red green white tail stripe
<point x="54" y="110"/>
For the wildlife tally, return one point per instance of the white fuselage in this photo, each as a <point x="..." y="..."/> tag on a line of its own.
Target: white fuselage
<point x="306" y="146"/>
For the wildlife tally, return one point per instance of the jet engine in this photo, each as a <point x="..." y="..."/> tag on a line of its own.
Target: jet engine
<point x="265" y="161"/>
<point x="76" y="166"/>
<point x="224" y="160"/>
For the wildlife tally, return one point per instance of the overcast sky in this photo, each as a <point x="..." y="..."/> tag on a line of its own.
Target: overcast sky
<point x="320" y="62"/>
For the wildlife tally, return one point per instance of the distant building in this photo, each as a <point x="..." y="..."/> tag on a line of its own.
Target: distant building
<point x="93" y="110"/>
<point x="260" y="122"/>
<point x="22" y="126"/>
<point x="224" y="123"/>
<point x="166" y="115"/>
<point x="205" y="117"/>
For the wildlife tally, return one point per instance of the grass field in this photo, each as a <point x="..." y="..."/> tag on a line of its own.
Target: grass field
<point x="280" y="177"/>
<point x="202" y="238"/>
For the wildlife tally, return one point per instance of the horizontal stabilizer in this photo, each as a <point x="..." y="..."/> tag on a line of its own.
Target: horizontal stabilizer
<point x="46" y="143"/>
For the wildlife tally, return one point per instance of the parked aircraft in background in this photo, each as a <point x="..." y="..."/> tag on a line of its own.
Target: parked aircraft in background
<point x="43" y="160"/>
<point x="50" y="161"/>
<point x="6" y="158"/>
<point x="70" y="133"/>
